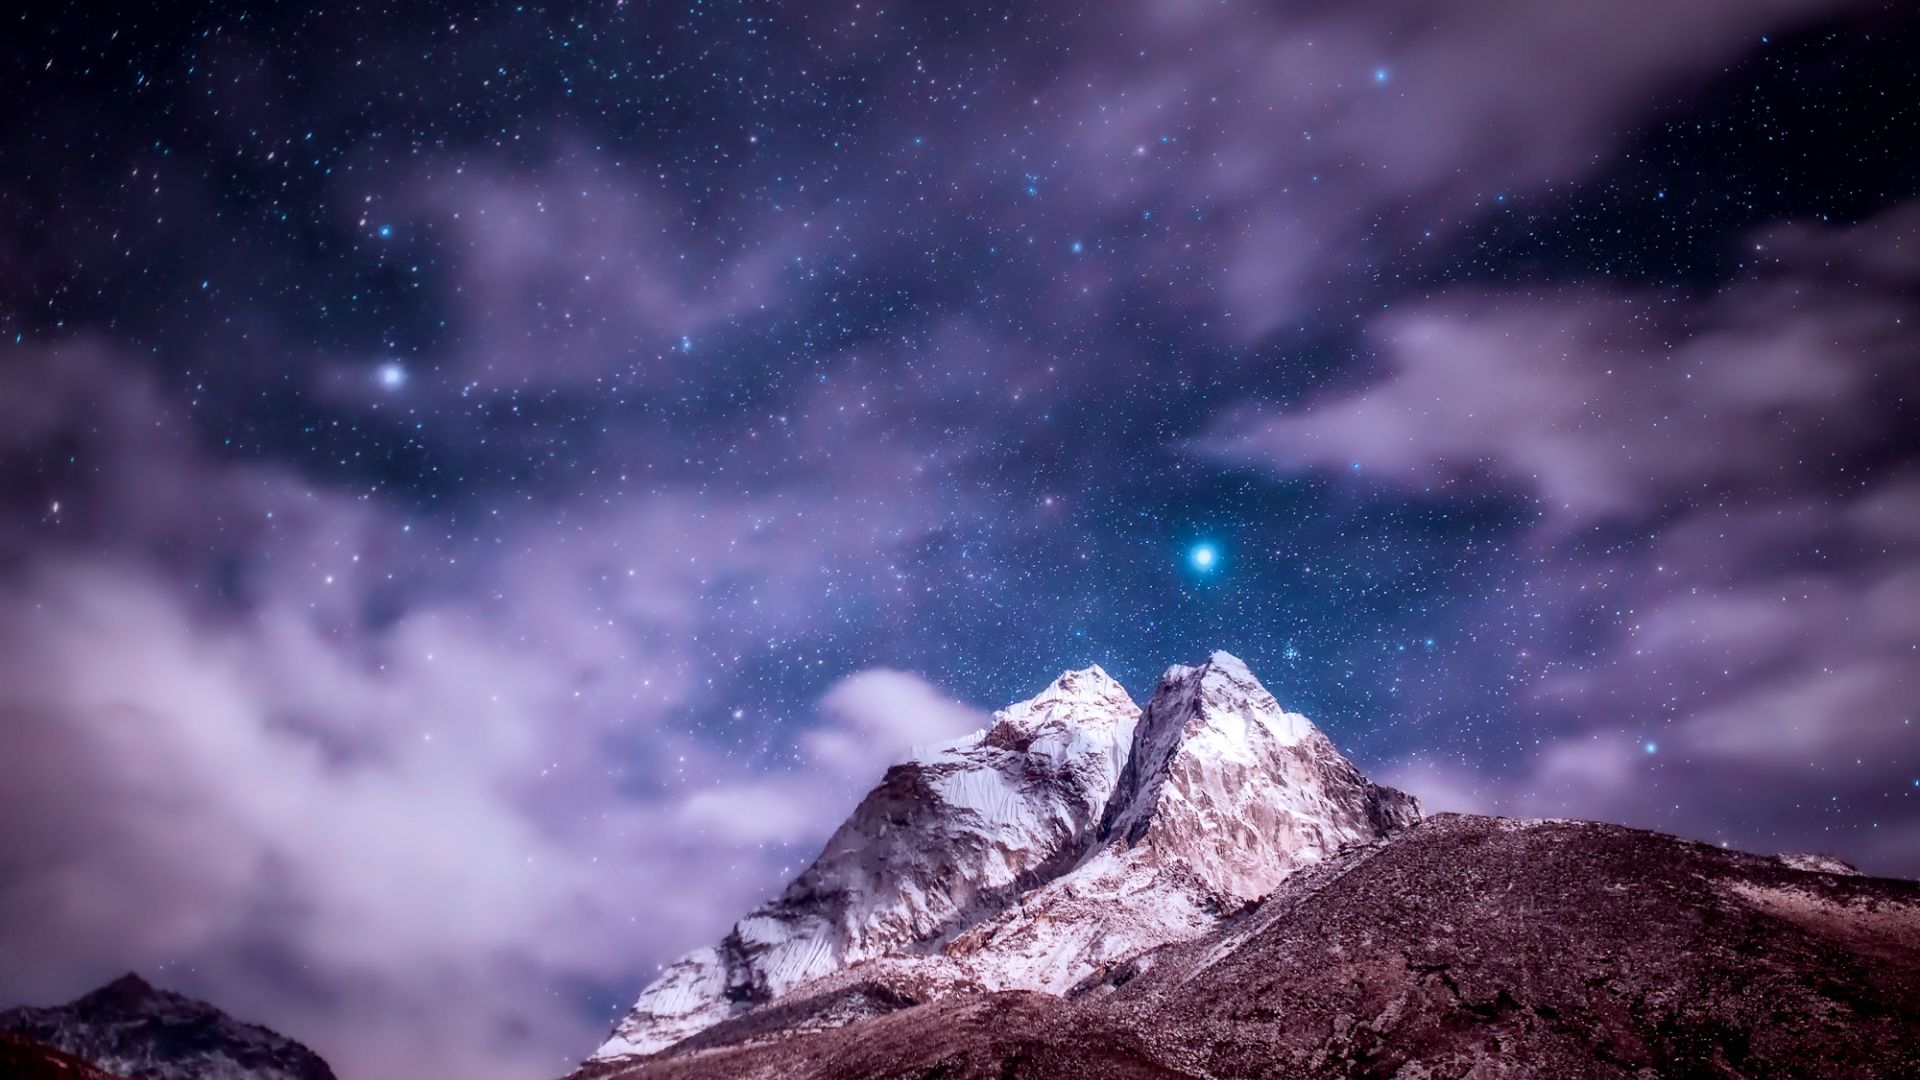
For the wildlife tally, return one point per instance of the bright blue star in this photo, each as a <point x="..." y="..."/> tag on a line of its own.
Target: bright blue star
<point x="392" y="375"/>
<point x="1381" y="75"/>
<point x="1651" y="747"/>
<point x="386" y="231"/>
<point x="1203" y="557"/>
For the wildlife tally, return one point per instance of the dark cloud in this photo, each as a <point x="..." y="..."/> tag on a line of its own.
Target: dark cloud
<point x="1606" y="404"/>
<point x="591" y="267"/>
<point x="1759" y="631"/>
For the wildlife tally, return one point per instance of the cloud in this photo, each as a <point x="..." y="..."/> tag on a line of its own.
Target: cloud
<point x="582" y="269"/>
<point x="192" y="807"/>
<point x="267" y="740"/>
<point x="1252" y="167"/>
<point x="1754" y="627"/>
<point x="1609" y="405"/>
<point x="1257" y="162"/>
<point x="1441" y="786"/>
<point x="879" y="715"/>
<point x="869" y="720"/>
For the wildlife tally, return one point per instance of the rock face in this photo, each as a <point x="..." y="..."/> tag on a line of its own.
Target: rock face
<point x="1465" y="946"/>
<point x="1072" y="835"/>
<point x="23" y="1059"/>
<point x="1239" y="790"/>
<point x="946" y="839"/>
<point x="1224" y="795"/>
<point x="128" y="1028"/>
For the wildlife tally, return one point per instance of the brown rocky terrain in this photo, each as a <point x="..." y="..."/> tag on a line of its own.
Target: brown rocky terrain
<point x="1464" y="946"/>
<point x="24" y="1059"/>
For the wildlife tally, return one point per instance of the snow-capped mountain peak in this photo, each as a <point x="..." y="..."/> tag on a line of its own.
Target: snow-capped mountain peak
<point x="948" y="837"/>
<point x="1223" y="796"/>
<point x="1215" y="712"/>
<point x="1070" y="835"/>
<point x="1238" y="788"/>
<point x="1065" y="699"/>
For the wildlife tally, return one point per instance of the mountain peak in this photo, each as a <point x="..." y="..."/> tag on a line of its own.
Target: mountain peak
<point x="1070" y="834"/>
<point x="948" y="838"/>
<point x="1214" y="692"/>
<point x="1068" y="698"/>
<point x="129" y="1027"/>
<point x="1203" y="719"/>
<point x="127" y="988"/>
<point x="1224" y="795"/>
<point x="1089" y="681"/>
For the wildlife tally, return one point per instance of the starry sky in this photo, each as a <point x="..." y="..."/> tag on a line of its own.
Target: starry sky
<point x="486" y="488"/>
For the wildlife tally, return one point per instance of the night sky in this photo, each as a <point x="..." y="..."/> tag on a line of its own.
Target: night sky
<point x="486" y="490"/>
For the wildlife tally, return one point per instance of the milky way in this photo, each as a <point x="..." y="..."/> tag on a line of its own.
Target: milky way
<point x="485" y="491"/>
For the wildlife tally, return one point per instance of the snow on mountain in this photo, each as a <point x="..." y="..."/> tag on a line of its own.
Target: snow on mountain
<point x="947" y="838"/>
<point x="1068" y="838"/>
<point x="1241" y="791"/>
<point x="1224" y="795"/>
<point x="129" y="1028"/>
<point x="1819" y="863"/>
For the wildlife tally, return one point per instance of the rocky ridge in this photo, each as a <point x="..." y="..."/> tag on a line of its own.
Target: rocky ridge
<point x="947" y="838"/>
<point x="1463" y="947"/>
<point x="1072" y="835"/>
<point x="133" y="1029"/>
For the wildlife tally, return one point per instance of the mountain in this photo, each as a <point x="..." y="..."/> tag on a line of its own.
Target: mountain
<point x="1463" y="946"/>
<point x="1073" y="834"/>
<point x="1207" y="888"/>
<point x="129" y="1028"/>
<point x="948" y="837"/>
<point x="1223" y="796"/>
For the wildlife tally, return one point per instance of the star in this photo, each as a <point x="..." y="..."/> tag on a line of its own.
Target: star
<point x="1203" y="556"/>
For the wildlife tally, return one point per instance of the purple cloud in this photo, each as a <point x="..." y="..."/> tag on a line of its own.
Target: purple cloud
<point x="1764" y="626"/>
<point x="239" y="780"/>
<point x="1603" y="404"/>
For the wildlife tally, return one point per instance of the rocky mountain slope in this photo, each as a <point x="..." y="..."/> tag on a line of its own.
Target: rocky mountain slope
<point x="1224" y="794"/>
<point x="1465" y="946"/>
<point x="24" y="1059"/>
<point x="947" y="838"/>
<point x="129" y="1028"/>
<point x="1072" y="835"/>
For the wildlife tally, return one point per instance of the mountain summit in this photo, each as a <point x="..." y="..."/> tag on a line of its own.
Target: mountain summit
<point x="1223" y="796"/>
<point x="130" y="1028"/>
<point x="1206" y="889"/>
<point x="947" y="838"/>
<point x="1071" y="835"/>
